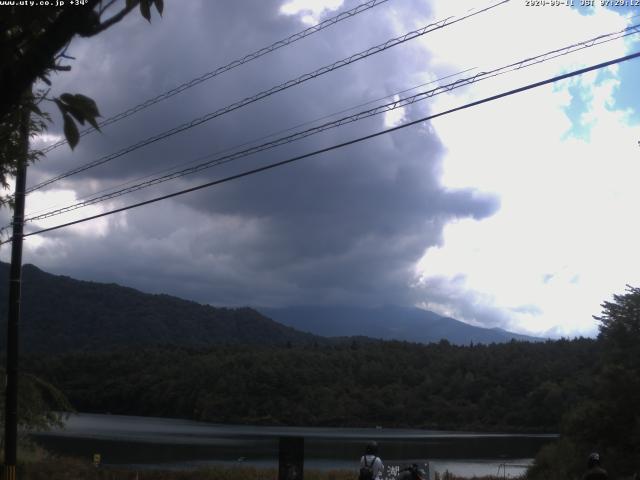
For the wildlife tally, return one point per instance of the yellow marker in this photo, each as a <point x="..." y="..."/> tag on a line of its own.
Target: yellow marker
<point x="9" y="472"/>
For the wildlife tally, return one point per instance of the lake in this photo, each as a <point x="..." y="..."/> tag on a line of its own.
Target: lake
<point x="147" y="442"/>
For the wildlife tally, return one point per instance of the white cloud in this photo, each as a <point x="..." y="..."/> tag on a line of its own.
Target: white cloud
<point x="45" y="139"/>
<point x="563" y="240"/>
<point x="42" y="201"/>
<point x="394" y="117"/>
<point x="310" y="10"/>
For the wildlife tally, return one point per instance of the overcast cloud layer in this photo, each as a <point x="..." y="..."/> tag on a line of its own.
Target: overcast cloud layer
<point x="432" y="215"/>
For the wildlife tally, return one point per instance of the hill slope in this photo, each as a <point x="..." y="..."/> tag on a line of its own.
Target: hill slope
<point x="388" y="323"/>
<point x="61" y="314"/>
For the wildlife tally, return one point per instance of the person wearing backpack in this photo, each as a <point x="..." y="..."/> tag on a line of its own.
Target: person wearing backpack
<point x="371" y="466"/>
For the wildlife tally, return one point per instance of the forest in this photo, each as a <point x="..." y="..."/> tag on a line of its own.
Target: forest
<point x="503" y="387"/>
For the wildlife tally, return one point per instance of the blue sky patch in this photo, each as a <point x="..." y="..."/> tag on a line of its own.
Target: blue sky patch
<point x="626" y="95"/>
<point x="578" y="106"/>
<point x="583" y="10"/>
<point x="624" y="10"/>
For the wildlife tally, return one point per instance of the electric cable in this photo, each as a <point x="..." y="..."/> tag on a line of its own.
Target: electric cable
<point x="229" y="66"/>
<point x="90" y="198"/>
<point x="278" y="88"/>
<point x="340" y="145"/>
<point x="399" y="103"/>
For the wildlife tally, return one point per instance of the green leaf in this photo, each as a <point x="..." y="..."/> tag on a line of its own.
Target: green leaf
<point x="159" y="6"/>
<point x="68" y="108"/>
<point x="67" y="98"/>
<point x="81" y="107"/>
<point x="70" y="131"/>
<point x="80" y="118"/>
<point x="34" y="108"/>
<point x="87" y="105"/>
<point x="61" y="106"/>
<point x="145" y="9"/>
<point x="131" y="3"/>
<point x="93" y="123"/>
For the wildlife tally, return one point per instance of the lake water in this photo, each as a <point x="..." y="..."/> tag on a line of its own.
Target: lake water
<point x="147" y="442"/>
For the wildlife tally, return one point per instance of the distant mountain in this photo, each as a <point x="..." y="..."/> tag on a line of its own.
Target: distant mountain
<point x="62" y="314"/>
<point x="388" y="323"/>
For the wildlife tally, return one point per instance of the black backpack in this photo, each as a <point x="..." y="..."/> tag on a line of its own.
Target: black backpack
<point x="366" y="471"/>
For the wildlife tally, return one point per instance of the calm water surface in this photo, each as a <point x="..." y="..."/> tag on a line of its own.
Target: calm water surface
<point x="147" y="442"/>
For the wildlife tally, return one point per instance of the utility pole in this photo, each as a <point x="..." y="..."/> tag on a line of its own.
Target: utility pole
<point x="13" y="320"/>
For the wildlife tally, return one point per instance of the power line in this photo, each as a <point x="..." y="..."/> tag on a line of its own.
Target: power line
<point x="91" y="196"/>
<point x="232" y="156"/>
<point x="565" y="50"/>
<point x="93" y="199"/>
<point x="584" y="44"/>
<point x="278" y="88"/>
<point x="400" y="103"/>
<point x="229" y="66"/>
<point x="341" y="145"/>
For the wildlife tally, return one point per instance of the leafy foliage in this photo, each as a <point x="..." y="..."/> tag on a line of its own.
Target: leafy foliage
<point x="40" y="404"/>
<point x="79" y="108"/>
<point x="10" y="141"/>
<point x="608" y="419"/>
<point x="33" y="45"/>
<point x="558" y="461"/>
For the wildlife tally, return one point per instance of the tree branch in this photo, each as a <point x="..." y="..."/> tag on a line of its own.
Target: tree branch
<point x="106" y="7"/>
<point x="16" y="78"/>
<point x="36" y="60"/>
<point x="114" y="19"/>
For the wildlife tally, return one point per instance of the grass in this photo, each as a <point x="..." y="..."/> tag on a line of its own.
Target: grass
<point x="35" y="463"/>
<point x="73" y="469"/>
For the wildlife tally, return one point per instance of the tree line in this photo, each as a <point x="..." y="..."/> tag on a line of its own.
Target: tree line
<point x="607" y="419"/>
<point x="502" y="387"/>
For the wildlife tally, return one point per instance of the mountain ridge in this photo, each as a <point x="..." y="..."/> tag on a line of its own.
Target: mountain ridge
<point x="390" y="322"/>
<point x="60" y="313"/>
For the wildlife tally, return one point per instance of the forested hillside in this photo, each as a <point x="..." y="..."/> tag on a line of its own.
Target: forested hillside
<point x="504" y="387"/>
<point x="61" y="314"/>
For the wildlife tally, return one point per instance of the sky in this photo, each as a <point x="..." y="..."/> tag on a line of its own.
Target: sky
<point x="518" y="213"/>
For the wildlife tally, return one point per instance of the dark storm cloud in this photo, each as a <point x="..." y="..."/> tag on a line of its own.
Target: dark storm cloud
<point x="161" y="56"/>
<point x="344" y="227"/>
<point x="450" y="296"/>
